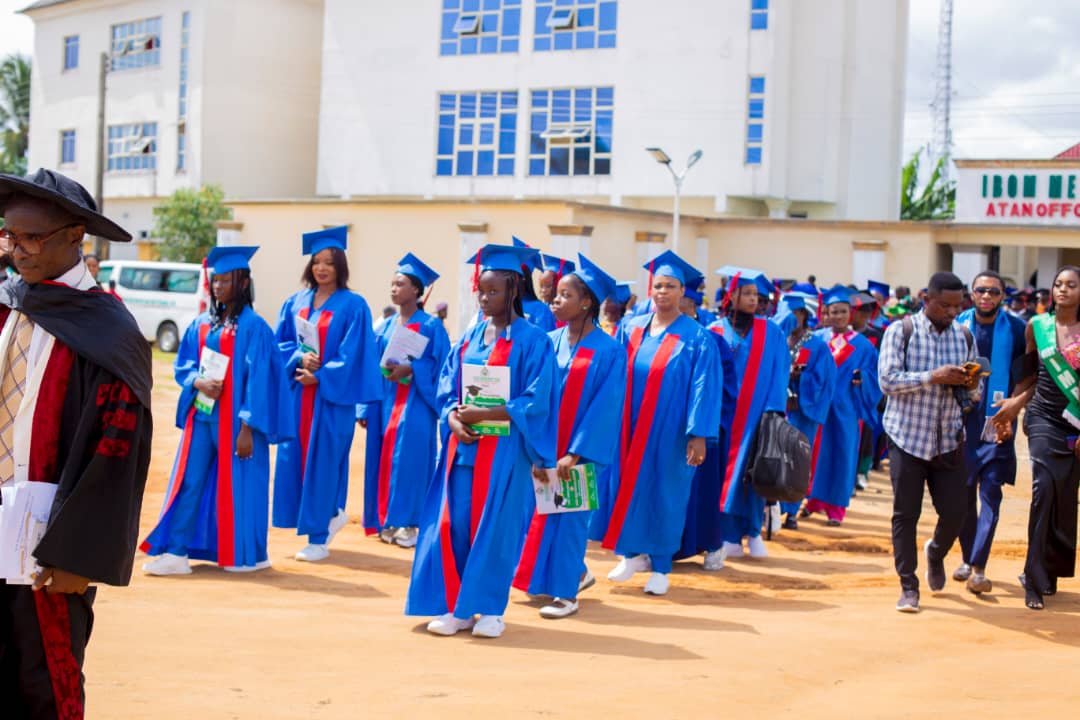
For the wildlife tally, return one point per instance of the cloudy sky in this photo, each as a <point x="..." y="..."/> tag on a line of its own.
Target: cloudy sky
<point x="1016" y="74"/>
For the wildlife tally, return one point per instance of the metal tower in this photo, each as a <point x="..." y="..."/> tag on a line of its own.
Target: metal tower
<point x="941" y="105"/>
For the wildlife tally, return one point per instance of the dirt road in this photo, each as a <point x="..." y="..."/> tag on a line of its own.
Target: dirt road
<point x="810" y="630"/>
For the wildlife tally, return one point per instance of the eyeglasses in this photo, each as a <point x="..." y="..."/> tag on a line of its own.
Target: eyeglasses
<point x="31" y="243"/>
<point x="991" y="291"/>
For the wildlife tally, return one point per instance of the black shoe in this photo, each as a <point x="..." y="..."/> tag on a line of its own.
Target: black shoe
<point x="908" y="602"/>
<point x="790" y="523"/>
<point x="935" y="570"/>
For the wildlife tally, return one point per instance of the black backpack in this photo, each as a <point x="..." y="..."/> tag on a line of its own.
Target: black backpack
<point x="779" y="469"/>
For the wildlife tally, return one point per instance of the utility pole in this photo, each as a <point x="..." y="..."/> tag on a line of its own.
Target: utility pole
<point x="942" y="103"/>
<point x="101" y="248"/>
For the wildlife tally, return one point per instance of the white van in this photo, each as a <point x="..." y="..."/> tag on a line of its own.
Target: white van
<point x="163" y="296"/>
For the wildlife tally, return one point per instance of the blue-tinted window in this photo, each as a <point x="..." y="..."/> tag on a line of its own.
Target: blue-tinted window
<point x="181" y="127"/>
<point x="755" y="125"/>
<point x="476" y="134"/>
<point x="67" y="147"/>
<point x="570" y="131"/>
<point x="136" y="44"/>
<point x="71" y="52"/>
<point x="471" y="27"/>
<point x="575" y="24"/>
<point x="132" y="147"/>
<point x="759" y="14"/>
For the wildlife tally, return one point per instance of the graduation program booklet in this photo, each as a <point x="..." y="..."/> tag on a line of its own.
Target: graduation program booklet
<point x="212" y="366"/>
<point x="24" y="517"/>
<point x="563" y="496"/>
<point x="486" y="386"/>
<point x="405" y="346"/>
<point x="307" y="335"/>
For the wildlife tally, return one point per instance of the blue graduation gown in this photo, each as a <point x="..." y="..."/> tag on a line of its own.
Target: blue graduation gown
<point x="760" y="391"/>
<point x="539" y="314"/>
<point x="650" y="507"/>
<point x="453" y="569"/>
<point x="310" y="489"/>
<point x="551" y="561"/>
<point x="815" y="390"/>
<point x="254" y="388"/>
<point x="833" y="480"/>
<point x="403" y="426"/>
<point x="703" y="531"/>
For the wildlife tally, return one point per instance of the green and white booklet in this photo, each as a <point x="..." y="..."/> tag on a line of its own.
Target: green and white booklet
<point x="213" y="366"/>
<point x="307" y="335"/>
<point x="562" y="496"/>
<point x="486" y="386"/>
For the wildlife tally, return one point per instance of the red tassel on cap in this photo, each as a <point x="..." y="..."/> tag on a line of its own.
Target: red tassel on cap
<point x="733" y="284"/>
<point x="820" y="305"/>
<point x="476" y="272"/>
<point x="649" y="292"/>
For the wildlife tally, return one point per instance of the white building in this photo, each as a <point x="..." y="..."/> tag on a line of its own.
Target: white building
<point x="797" y="105"/>
<point x="198" y="91"/>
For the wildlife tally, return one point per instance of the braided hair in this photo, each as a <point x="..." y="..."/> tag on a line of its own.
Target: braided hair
<point x="243" y="296"/>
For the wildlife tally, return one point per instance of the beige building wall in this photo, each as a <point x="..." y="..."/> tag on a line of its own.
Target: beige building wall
<point x="619" y="239"/>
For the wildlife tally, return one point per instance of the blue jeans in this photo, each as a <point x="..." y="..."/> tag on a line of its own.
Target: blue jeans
<point x="980" y="523"/>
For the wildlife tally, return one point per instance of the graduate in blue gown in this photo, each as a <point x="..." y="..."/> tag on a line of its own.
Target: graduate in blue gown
<point x="673" y="398"/>
<point x="762" y="366"/>
<point x="477" y="510"/>
<point x="552" y="270"/>
<point x="703" y="532"/>
<point x="813" y="378"/>
<point x="855" y="398"/>
<point x="311" y="478"/>
<point x="217" y="502"/>
<point x="536" y="310"/>
<point x="402" y="439"/>
<point x="591" y="383"/>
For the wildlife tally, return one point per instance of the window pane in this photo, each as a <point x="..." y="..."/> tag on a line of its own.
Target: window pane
<point x="586" y="39"/>
<point x="605" y="40"/>
<point x="560" y="161"/>
<point x="757" y="108"/>
<point x="536" y="166"/>
<point x="444" y="167"/>
<point x="753" y="132"/>
<point x="757" y="85"/>
<point x="464" y="163"/>
<point x="506" y="166"/>
<point x="602" y="166"/>
<point x="581" y="161"/>
<point x="608" y="15"/>
<point x="506" y="143"/>
<point x="485" y="162"/>
<point x="753" y="156"/>
<point x="759" y="21"/>
<point x="759" y="4"/>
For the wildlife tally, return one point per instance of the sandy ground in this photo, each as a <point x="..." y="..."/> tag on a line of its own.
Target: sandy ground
<point x="810" y="630"/>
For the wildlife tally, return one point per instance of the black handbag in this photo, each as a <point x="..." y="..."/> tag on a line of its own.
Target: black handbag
<point x="779" y="469"/>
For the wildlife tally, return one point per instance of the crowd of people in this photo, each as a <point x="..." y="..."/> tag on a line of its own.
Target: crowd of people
<point x="564" y="414"/>
<point x="655" y="401"/>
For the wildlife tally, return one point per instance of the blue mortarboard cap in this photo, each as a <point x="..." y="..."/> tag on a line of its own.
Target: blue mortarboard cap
<point x="504" y="257"/>
<point x="316" y="242"/>
<point x="226" y="258"/>
<point x="806" y="288"/>
<point x="874" y="286"/>
<point x="694" y="295"/>
<point x="837" y="294"/>
<point x="533" y="263"/>
<point x="746" y="277"/>
<point x="623" y="291"/>
<point x="602" y="285"/>
<point x="412" y="265"/>
<point x="557" y="265"/>
<point x="668" y="264"/>
<point x="785" y="316"/>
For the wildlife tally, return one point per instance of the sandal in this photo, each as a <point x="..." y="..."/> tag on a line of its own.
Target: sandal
<point x="1033" y="600"/>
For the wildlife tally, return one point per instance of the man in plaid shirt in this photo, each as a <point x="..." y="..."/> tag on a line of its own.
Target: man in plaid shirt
<point x="928" y="392"/>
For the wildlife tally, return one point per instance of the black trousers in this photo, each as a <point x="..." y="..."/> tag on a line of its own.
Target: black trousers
<point x="946" y="477"/>
<point x="26" y="684"/>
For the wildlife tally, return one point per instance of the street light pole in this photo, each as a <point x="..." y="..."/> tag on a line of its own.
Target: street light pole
<point x="100" y="248"/>
<point x="662" y="157"/>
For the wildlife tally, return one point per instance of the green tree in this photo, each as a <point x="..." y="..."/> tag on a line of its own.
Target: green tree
<point x="186" y="221"/>
<point x="14" y="113"/>
<point x="936" y="200"/>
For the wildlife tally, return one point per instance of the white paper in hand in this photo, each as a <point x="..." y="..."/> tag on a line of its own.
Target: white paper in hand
<point x="405" y="346"/>
<point x="562" y="496"/>
<point x="24" y="518"/>
<point x="307" y="336"/>
<point x="212" y="366"/>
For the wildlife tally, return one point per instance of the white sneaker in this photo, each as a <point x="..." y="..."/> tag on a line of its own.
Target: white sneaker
<point x="732" y="550"/>
<point x="406" y="537"/>
<point x="757" y="547"/>
<point x="387" y="535"/>
<point x="773" y="518"/>
<point x="862" y="481"/>
<point x="448" y="625"/>
<point x="560" y="608"/>
<point x="248" y="568"/>
<point x="336" y="524"/>
<point x="168" y="564"/>
<point x="714" y="560"/>
<point x="658" y="584"/>
<point x="313" y="553"/>
<point x="586" y="582"/>
<point x="489" y="626"/>
<point x="628" y="567"/>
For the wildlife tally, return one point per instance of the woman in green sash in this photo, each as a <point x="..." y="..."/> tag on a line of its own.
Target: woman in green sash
<point x="1052" y="423"/>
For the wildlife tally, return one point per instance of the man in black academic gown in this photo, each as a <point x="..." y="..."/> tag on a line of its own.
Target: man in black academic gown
<point x="74" y="412"/>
